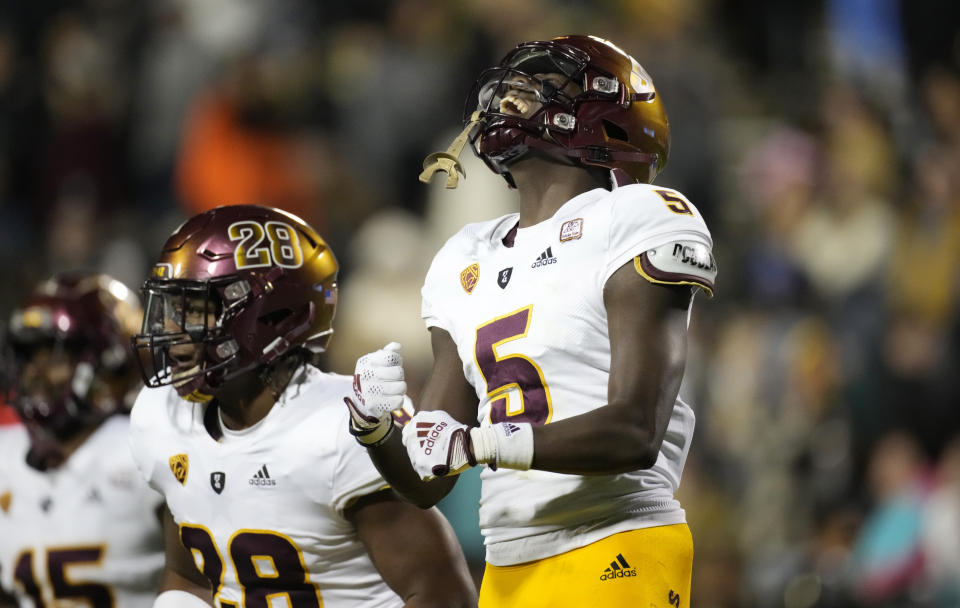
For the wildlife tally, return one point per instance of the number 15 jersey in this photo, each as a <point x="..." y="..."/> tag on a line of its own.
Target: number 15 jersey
<point x="530" y="326"/>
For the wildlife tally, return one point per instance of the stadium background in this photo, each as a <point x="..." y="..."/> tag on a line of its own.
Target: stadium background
<point x="821" y="141"/>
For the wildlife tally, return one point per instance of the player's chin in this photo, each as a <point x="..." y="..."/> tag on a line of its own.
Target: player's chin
<point x="189" y="382"/>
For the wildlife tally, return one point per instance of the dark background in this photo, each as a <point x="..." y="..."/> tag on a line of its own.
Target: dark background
<point x="821" y="141"/>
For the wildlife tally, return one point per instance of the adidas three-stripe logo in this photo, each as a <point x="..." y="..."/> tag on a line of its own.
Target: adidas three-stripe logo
<point x="262" y="478"/>
<point x="618" y="563"/>
<point x="545" y="258"/>
<point x="619" y="568"/>
<point x="428" y="433"/>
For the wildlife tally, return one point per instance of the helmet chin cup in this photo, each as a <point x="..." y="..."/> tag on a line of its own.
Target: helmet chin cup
<point x="194" y="396"/>
<point x="188" y="385"/>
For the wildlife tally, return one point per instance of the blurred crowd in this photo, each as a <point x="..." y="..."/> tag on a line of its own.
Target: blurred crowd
<point x="821" y="141"/>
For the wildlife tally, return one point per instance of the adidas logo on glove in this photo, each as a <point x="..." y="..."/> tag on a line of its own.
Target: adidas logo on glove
<point x="428" y="433"/>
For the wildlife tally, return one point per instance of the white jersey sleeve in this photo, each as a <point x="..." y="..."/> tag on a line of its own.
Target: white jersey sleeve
<point x="644" y="218"/>
<point x="433" y="315"/>
<point x="157" y="417"/>
<point x="354" y="475"/>
<point x="138" y="438"/>
<point x="443" y="275"/>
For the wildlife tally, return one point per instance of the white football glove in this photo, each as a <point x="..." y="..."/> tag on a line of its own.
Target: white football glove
<point x="379" y="389"/>
<point x="440" y="446"/>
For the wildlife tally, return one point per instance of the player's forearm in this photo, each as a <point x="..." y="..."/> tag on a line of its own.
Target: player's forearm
<point x="598" y="443"/>
<point x="435" y="574"/>
<point x="393" y="463"/>
<point x="625" y="434"/>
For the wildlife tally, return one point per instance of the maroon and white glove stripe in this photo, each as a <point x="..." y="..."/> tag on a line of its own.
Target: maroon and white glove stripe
<point x="459" y="450"/>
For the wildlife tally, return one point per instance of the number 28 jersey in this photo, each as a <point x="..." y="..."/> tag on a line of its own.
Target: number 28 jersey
<point x="530" y="326"/>
<point x="262" y="510"/>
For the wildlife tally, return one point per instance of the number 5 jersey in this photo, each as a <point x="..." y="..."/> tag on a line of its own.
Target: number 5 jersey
<point x="530" y="326"/>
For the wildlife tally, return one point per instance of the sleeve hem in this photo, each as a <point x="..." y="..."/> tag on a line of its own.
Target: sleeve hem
<point x="629" y="252"/>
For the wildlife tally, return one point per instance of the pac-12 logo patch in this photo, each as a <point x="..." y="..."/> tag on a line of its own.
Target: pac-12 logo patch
<point x="218" y="479"/>
<point x="180" y="466"/>
<point x="469" y="277"/>
<point x="504" y="277"/>
<point x="572" y="229"/>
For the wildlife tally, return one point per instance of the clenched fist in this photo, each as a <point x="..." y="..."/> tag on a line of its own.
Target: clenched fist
<point x="378" y="390"/>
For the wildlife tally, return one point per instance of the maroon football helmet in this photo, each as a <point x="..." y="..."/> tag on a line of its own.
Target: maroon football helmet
<point x="235" y="288"/>
<point x="615" y="120"/>
<point x="69" y="343"/>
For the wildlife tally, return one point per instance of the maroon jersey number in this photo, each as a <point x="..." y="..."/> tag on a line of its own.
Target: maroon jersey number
<point x="268" y="565"/>
<point x="94" y="595"/>
<point x="503" y="373"/>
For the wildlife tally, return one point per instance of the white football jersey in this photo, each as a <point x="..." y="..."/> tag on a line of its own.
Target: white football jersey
<point x="531" y="328"/>
<point x="85" y="534"/>
<point x="262" y="509"/>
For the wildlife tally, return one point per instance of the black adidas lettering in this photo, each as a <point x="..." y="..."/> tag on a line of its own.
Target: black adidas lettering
<point x="619" y="568"/>
<point x="545" y="258"/>
<point x="262" y="478"/>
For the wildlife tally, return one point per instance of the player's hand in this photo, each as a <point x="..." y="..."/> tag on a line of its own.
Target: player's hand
<point x="438" y="445"/>
<point x="378" y="390"/>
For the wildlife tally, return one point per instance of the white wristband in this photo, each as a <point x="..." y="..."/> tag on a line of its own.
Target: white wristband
<point x="174" y="598"/>
<point x="505" y="444"/>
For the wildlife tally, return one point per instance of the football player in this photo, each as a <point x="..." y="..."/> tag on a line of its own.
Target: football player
<point x="270" y="500"/>
<point x="77" y="523"/>
<point x="567" y="321"/>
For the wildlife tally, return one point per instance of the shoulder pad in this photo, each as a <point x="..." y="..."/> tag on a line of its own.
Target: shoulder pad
<point x="679" y="263"/>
